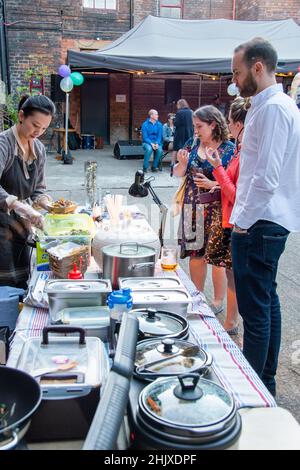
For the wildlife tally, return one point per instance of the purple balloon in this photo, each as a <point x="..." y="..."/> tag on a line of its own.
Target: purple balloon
<point x="64" y="71"/>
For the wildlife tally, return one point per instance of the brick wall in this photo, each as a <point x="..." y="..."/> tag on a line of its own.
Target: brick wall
<point x="268" y="10"/>
<point x="40" y="32"/>
<point x="193" y="9"/>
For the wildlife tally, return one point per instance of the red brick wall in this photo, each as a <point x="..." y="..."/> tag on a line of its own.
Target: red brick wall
<point x="268" y="10"/>
<point x="148" y="92"/>
<point x="40" y="32"/>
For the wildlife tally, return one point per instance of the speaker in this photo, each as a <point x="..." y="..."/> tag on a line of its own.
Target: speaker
<point x="57" y="95"/>
<point x="128" y="148"/>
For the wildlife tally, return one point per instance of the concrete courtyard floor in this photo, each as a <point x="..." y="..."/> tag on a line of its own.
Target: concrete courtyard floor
<point x="116" y="176"/>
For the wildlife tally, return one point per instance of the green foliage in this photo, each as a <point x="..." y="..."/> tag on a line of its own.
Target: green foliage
<point x="10" y="116"/>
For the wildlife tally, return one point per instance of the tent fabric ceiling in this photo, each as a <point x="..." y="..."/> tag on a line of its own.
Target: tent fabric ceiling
<point x="169" y="45"/>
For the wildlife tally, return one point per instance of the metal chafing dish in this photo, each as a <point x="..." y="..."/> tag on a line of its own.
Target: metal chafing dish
<point x="65" y="293"/>
<point x="176" y="300"/>
<point x="141" y="283"/>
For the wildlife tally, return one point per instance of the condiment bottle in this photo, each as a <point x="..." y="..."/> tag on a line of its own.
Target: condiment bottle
<point x="75" y="273"/>
<point x="119" y="303"/>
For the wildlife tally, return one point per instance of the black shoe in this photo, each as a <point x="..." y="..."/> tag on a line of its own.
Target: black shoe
<point x="154" y="170"/>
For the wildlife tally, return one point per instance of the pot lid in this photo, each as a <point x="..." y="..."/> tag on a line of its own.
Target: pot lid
<point x="187" y="401"/>
<point x="156" y="296"/>
<point x="159" y="323"/>
<point x="137" y="283"/>
<point x="168" y="356"/>
<point x="78" y="285"/>
<point x="128" y="250"/>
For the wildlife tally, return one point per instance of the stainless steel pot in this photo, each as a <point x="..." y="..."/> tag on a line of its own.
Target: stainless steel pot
<point x="127" y="260"/>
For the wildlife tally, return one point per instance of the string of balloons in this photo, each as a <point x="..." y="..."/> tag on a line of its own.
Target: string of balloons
<point x="69" y="78"/>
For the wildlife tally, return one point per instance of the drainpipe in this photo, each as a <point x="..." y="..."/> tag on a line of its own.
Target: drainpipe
<point x="233" y="9"/>
<point x="131" y="14"/>
<point x="5" y="75"/>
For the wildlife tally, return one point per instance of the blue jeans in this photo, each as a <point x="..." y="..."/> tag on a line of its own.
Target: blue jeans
<point x="147" y="155"/>
<point x="255" y="256"/>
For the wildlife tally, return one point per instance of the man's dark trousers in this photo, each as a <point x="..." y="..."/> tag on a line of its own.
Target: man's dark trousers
<point x="255" y="256"/>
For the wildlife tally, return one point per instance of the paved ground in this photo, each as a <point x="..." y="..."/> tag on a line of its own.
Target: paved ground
<point x="117" y="176"/>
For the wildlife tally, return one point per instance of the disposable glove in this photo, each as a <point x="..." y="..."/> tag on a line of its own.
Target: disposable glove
<point x="28" y="213"/>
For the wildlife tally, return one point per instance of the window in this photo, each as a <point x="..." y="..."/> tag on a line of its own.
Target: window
<point x="100" y="4"/>
<point x="171" y="8"/>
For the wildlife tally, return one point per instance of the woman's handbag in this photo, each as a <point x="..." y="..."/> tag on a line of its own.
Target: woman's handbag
<point x="178" y="198"/>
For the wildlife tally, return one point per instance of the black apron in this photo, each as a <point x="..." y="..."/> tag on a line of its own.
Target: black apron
<point x="14" y="230"/>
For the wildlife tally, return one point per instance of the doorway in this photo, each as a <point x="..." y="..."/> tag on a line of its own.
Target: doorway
<point x="94" y="107"/>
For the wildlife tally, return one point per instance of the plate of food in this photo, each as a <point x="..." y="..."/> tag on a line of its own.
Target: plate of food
<point x="62" y="206"/>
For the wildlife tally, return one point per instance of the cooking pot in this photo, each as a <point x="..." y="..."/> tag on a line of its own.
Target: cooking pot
<point x="165" y="357"/>
<point x="160" y="323"/>
<point x="20" y="396"/>
<point x="127" y="260"/>
<point x="186" y="412"/>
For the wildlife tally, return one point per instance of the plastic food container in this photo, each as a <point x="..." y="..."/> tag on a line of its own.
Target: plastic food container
<point x="67" y="239"/>
<point x="69" y="397"/>
<point x="94" y="320"/>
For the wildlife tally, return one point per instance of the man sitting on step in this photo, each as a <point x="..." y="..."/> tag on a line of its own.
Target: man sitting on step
<point x="152" y="133"/>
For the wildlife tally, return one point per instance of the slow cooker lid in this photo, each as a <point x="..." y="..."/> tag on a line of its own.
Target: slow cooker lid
<point x="175" y="356"/>
<point x="159" y="323"/>
<point x="187" y="401"/>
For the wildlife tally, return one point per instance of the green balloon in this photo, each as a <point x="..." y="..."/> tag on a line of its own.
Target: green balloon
<point x="77" y="78"/>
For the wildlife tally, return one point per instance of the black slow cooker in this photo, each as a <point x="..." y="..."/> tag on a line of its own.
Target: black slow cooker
<point x="186" y="412"/>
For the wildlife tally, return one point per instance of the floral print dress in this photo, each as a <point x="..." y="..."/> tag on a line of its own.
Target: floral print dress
<point x="212" y="247"/>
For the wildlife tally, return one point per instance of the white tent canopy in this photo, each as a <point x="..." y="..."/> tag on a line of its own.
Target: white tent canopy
<point x="169" y="45"/>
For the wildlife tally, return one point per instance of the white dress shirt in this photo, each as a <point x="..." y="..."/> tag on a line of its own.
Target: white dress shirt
<point x="269" y="181"/>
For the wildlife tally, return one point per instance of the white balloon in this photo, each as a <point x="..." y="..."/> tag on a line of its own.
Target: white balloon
<point x="66" y="84"/>
<point x="232" y="89"/>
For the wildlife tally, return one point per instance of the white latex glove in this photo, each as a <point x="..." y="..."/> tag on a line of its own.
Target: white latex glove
<point x="44" y="202"/>
<point x="28" y="213"/>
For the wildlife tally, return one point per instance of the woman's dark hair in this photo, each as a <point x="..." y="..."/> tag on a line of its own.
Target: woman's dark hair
<point x="239" y="108"/>
<point x="42" y="104"/>
<point x="210" y="114"/>
<point x="182" y="103"/>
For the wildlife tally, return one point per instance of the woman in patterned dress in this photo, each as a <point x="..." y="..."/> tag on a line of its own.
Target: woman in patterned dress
<point x="199" y="238"/>
<point x="227" y="181"/>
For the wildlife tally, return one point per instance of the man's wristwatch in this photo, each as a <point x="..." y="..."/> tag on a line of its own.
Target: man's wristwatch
<point x="238" y="229"/>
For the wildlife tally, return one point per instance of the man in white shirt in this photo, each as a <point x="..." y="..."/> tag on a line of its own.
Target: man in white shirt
<point x="267" y="205"/>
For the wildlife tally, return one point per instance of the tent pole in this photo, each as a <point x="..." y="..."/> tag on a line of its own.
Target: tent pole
<point x="130" y="106"/>
<point x="200" y="90"/>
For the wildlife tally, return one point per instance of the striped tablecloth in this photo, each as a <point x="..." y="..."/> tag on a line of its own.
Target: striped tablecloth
<point x="230" y="366"/>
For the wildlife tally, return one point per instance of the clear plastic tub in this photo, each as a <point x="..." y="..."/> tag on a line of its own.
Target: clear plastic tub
<point x="67" y="239"/>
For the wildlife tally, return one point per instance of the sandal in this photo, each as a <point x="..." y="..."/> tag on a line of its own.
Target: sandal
<point x="233" y="331"/>
<point x="217" y="308"/>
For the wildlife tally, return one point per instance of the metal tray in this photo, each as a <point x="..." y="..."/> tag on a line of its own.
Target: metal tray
<point x="142" y="283"/>
<point x="175" y="300"/>
<point x="65" y="293"/>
